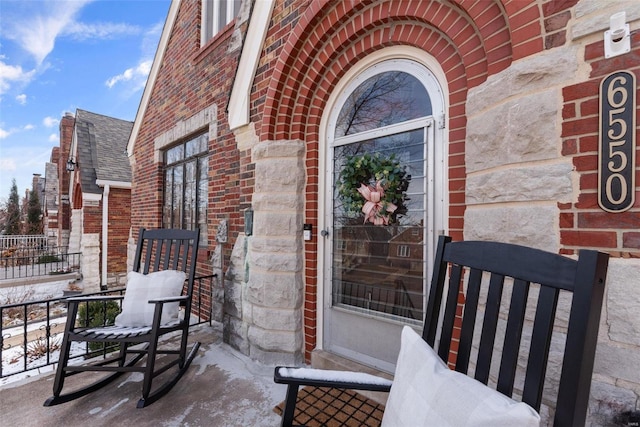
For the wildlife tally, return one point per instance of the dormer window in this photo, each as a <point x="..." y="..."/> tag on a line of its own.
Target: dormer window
<point x="216" y="14"/>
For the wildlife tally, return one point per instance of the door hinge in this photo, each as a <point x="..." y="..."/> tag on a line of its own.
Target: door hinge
<point x="441" y="121"/>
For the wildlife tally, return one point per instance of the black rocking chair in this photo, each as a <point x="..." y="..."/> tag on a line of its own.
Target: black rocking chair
<point x="157" y="250"/>
<point x="478" y="269"/>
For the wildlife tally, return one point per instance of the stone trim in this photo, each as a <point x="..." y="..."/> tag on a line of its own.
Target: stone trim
<point x="183" y="128"/>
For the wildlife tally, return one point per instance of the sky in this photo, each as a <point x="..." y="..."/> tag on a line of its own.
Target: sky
<point x="57" y="56"/>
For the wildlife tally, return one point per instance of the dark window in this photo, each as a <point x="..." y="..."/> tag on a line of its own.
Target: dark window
<point x="185" y="185"/>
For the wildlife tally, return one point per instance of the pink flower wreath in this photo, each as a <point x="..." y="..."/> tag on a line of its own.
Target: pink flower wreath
<point x="376" y="211"/>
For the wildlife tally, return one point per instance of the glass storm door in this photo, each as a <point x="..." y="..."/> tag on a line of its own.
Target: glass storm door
<point x="381" y="217"/>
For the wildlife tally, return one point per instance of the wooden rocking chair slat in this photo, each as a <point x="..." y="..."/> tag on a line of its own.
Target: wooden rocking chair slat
<point x="513" y="336"/>
<point x="540" y="343"/>
<point x="451" y="305"/>
<point x="469" y="320"/>
<point x="489" y="327"/>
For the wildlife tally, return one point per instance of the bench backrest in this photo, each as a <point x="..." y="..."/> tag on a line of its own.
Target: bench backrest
<point x="517" y="289"/>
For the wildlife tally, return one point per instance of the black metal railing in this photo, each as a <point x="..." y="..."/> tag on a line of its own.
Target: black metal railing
<point x="38" y="261"/>
<point x="393" y="299"/>
<point x="31" y="332"/>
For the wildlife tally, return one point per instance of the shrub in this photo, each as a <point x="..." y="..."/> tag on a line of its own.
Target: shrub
<point x="40" y="347"/>
<point x="95" y="314"/>
<point x="44" y="259"/>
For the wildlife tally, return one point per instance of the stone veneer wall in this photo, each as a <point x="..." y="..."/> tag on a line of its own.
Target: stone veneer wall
<point x="273" y="301"/>
<point x="530" y="175"/>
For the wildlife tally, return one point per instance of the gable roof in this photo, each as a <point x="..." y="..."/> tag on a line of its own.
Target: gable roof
<point x="248" y="62"/>
<point x="153" y="74"/>
<point x="100" y="149"/>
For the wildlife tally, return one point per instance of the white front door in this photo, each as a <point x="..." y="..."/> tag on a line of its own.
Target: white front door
<point x="385" y="172"/>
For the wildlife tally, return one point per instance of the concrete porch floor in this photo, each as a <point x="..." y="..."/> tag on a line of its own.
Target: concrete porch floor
<point x="221" y="388"/>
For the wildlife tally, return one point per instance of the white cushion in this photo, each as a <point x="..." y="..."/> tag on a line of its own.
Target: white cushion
<point x="426" y="392"/>
<point x="136" y="311"/>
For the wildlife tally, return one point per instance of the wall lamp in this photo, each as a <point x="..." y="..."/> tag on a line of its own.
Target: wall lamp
<point x="617" y="39"/>
<point x="71" y="164"/>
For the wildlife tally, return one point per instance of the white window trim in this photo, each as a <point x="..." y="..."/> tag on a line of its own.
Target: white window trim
<point x="404" y="251"/>
<point x="215" y="18"/>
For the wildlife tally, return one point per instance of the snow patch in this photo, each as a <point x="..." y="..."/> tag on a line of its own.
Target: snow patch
<point x="330" y="375"/>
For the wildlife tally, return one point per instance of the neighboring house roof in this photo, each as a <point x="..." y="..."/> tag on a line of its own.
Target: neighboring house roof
<point x="101" y="143"/>
<point x="51" y="187"/>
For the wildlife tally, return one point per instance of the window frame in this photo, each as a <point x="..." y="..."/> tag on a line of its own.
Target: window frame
<point x="211" y="17"/>
<point x="197" y="159"/>
<point x="403" y="251"/>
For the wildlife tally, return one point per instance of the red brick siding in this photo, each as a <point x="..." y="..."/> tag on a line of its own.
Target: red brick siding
<point x="189" y="80"/>
<point x="119" y="224"/>
<point x="64" y="212"/>
<point x="584" y="223"/>
<point x="92" y="218"/>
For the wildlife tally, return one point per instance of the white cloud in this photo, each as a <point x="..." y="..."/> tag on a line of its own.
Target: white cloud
<point x="101" y="30"/>
<point x="10" y="74"/>
<point x="5" y="133"/>
<point x="21" y="99"/>
<point x="39" y="24"/>
<point x="54" y="137"/>
<point x="7" y="164"/>
<point x="50" y="122"/>
<point x="137" y="74"/>
<point x="46" y="20"/>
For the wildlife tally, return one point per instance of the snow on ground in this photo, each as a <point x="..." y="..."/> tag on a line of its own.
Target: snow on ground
<point x="12" y="356"/>
<point x="34" y="292"/>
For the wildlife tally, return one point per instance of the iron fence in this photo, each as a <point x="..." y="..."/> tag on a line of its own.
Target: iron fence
<point x="26" y="262"/>
<point x="31" y="332"/>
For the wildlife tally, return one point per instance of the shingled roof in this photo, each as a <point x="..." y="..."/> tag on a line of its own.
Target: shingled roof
<point x="101" y="149"/>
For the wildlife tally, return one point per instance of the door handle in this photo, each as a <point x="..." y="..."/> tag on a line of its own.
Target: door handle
<point x="324" y="233"/>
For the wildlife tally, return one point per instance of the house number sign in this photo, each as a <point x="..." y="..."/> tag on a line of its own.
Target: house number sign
<point x="617" y="144"/>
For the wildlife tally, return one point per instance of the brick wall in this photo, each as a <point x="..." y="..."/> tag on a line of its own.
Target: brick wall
<point x="190" y="80"/>
<point x="583" y="223"/>
<point x="119" y="224"/>
<point x="64" y="212"/>
<point x="92" y="217"/>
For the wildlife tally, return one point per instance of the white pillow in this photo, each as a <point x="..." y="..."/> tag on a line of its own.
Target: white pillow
<point x="136" y="311"/>
<point x="426" y="392"/>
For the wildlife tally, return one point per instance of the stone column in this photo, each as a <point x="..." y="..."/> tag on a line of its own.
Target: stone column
<point x="90" y="248"/>
<point x="272" y="303"/>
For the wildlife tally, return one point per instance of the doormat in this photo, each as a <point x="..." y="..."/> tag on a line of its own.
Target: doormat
<point x="329" y="407"/>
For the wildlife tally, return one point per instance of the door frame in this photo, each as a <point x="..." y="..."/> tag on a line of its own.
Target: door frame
<point x="440" y="138"/>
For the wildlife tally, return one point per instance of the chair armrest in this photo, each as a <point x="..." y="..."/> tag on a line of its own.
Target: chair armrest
<point x="168" y="299"/>
<point x="330" y="378"/>
<point x="95" y="298"/>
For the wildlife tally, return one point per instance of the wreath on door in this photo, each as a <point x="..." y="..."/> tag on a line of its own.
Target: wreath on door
<point x="374" y="185"/>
